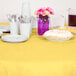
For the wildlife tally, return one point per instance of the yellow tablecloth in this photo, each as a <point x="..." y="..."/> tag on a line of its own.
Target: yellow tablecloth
<point x="38" y="57"/>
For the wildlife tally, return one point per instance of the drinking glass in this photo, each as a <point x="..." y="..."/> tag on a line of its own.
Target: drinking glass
<point x="72" y="17"/>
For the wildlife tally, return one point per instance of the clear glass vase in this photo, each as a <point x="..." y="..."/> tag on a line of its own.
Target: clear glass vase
<point x="43" y="24"/>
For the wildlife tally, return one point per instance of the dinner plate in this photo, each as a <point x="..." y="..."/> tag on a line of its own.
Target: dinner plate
<point x="5" y="28"/>
<point x="14" y="38"/>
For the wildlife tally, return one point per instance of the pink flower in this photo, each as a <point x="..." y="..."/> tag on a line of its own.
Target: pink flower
<point x="40" y="11"/>
<point x="52" y="13"/>
<point x="50" y="10"/>
<point x="45" y="11"/>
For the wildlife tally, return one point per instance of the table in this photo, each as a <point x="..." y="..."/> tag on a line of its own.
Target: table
<point x="38" y="57"/>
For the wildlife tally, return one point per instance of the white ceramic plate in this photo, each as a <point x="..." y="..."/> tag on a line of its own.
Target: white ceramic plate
<point x="4" y="28"/>
<point x="14" y="38"/>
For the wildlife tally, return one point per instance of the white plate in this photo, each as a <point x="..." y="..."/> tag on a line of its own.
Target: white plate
<point x="14" y="38"/>
<point x="4" y="28"/>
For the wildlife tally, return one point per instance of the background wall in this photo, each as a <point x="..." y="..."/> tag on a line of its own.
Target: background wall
<point x="14" y="7"/>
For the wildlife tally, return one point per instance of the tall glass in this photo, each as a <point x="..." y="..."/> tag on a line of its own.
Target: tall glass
<point x="72" y="17"/>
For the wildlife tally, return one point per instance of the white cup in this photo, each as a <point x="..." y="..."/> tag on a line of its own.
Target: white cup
<point x="25" y="29"/>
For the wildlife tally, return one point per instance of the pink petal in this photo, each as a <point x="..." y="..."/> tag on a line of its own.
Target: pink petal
<point x="40" y="10"/>
<point x="52" y="13"/>
<point x="40" y="13"/>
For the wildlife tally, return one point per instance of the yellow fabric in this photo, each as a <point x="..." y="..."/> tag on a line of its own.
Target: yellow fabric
<point x="4" y="23"/>
<point x="38" y="57"/>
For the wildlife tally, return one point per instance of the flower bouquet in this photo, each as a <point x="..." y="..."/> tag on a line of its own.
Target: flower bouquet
<point x="43" y="19"/>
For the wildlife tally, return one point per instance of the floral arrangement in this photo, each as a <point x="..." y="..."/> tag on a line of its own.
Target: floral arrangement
<point x="44" y="11"/>
<point x="43" y="19"/>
